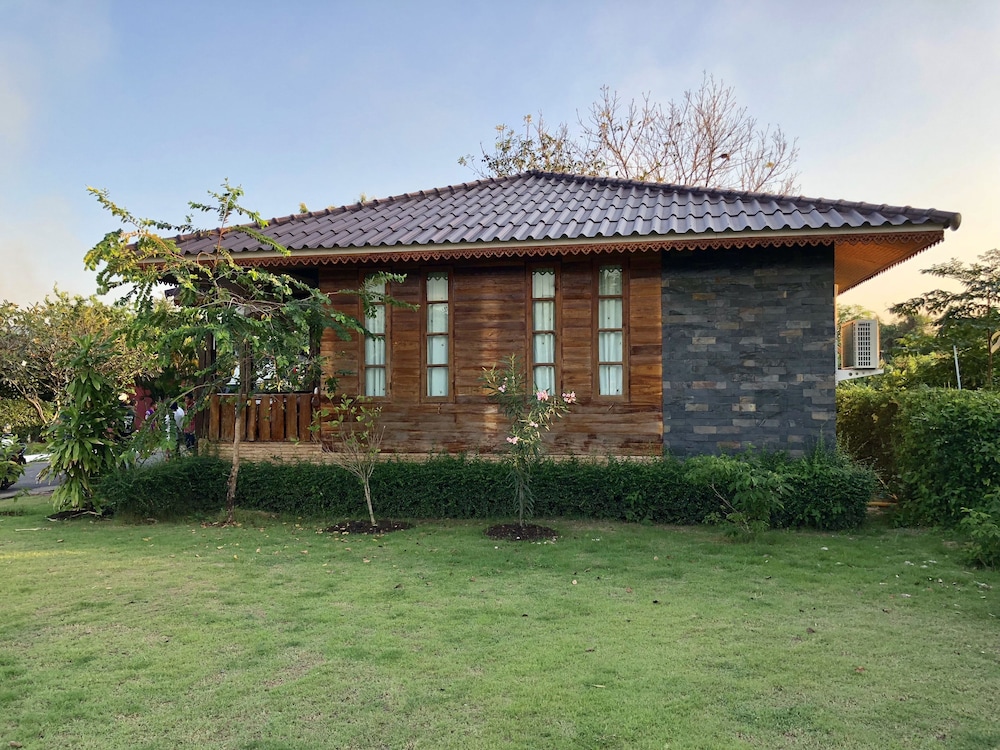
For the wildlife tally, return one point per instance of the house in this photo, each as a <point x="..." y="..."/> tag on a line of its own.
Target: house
<point x="687" y="320"/>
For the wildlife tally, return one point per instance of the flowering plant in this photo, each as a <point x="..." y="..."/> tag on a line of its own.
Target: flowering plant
<point x="529" y="412"/>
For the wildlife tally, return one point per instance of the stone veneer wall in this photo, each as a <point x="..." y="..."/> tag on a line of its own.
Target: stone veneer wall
<point x="748" y="349"/>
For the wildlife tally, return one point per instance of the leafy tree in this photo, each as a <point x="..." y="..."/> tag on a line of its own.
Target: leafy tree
<point x="39" y="342"/>
<point x="705" y="139"/>
<point x="87" y="438"/>
<point x="968" y="319"/>
<point x="242" y="314"/>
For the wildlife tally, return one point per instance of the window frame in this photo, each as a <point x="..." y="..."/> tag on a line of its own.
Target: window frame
<point x="556" y="300"/>
<point x="596" y="360"/>
<point x="425" y="365"/>
<point x="363" y="365"/>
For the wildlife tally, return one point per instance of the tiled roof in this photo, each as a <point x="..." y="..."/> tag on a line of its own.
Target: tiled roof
<point x="546" y="207"/>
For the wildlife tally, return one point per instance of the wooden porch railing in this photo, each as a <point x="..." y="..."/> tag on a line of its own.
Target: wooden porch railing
<point x="270" y="417"/>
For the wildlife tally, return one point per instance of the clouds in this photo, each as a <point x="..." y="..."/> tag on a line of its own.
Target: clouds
<point x="158" y="102"/>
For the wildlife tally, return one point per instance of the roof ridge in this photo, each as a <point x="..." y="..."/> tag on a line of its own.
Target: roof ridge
<point x="729" y="192"/>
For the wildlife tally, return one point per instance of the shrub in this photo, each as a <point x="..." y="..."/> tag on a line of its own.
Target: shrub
<point x="186" y="486"/>
<point x="749" y="494"/>
<point x="947" y="453"/>
<point x="826" y="491"/>
<point x="830" y="495"/>
<point x="867" y="429"/>
<point x="983" y="528"/>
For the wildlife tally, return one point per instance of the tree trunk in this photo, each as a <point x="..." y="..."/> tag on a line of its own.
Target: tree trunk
<point x="368" y="499"/>
<point x="241" y="410"/>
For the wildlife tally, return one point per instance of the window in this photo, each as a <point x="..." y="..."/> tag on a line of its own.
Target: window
<point x="543" y="329"/>
<point x="610" y="331"/>
<point x="376" y="364"/>
<point x="437" y="327"/>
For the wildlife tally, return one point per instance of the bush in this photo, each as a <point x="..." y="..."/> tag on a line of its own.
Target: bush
<point x="826" y="495"/>
<point x="947" y="453"/>
<point x="184" y="486"/>
<point x="983" y="528"/>
<point x="867" y="428"/>
<point x="826" y="491"/>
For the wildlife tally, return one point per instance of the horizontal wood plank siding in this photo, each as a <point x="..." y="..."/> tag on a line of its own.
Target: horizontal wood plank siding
<point x="488" y="305"/>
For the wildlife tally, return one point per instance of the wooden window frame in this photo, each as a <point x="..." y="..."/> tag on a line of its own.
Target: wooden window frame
<point x="362" y="357"/>
<point x="557" y="321"/>
<point x="424" y="335"/>
<point x="595" y="310"/>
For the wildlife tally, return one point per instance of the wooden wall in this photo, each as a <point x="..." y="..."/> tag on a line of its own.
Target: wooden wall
<point x="489" y="313"/>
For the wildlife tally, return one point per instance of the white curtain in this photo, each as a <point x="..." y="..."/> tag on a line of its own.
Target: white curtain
<point x="375" y="352"/>
<point x="543" y="283"/>
<point x="610" y="283"/>
<point x="375" y="382"/>
<point x="611" y="380"/>
<point x="437" y="381"/>
<point x="545" y="378"/>
<point x="437" y="317"/>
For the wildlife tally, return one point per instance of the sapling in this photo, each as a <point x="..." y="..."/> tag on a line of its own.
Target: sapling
<point x="529" y="412"/>
<point x="357" y="441"/>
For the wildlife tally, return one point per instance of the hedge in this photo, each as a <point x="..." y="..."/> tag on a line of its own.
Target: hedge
<point x="937" y="449"/>
<point x="830" y="493"/>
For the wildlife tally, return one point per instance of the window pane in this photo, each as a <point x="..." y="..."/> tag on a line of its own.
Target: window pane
<point x="374" y="351"/>
<point x="437" y="381"/>
<point x="374" y="287"/>
<point x="376" y="321"/>
<point x="437" y="350"/>
<point x="437" y="287"/>
<point x="437" y="317"/>
<point x="375" y="381"/>
<point x="611" y="380"/>
<point x="543" y="316"/>
<point x="610" y="281"/>
<point x="609" y="312"/>
<point x="609" y="345"/>
<point x="545" y="379"/>
<point x="543" y="283"/>
<point x="544" y="349"/>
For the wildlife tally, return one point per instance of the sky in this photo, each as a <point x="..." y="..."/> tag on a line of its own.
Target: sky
<point x="891" y="101"/>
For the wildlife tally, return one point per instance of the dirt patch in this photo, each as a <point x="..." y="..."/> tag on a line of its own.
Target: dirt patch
<point x="69" y="515"/>
<point x="365" y="527"/>
<point x="513" y="532"/>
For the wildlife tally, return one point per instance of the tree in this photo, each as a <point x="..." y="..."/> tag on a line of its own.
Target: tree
<point x="529" y="412"/>
<point x="968" y="319"/>
<point x="87" y="437"/>
<point x="706" y="139"/>
<point x="38" y="344"/>
<point x="243" y="314"/>
<point x="358" y="442"/>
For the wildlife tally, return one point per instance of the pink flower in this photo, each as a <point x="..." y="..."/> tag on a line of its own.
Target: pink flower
<point x="569" y="398"/>
<point x="513" y="439"/>
<point x="533" y="424"/>
<point x="503" y="388"/>
<point x="542" y="395"/>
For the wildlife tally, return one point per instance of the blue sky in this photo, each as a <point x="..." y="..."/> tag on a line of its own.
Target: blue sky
<point x="317" y="102"/>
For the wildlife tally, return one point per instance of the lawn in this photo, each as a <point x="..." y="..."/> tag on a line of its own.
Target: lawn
<point x="275" y="635"/>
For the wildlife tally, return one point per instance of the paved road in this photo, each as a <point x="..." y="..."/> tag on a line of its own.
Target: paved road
<point x="29" y="481"/>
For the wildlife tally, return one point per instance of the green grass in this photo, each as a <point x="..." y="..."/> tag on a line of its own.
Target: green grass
<point x="272" y="635"/>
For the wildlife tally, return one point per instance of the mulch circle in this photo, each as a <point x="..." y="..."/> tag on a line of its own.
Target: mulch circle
<point x="513" y="532"/>
<point x="365" y="527"/>
<point x="68" y="515"/>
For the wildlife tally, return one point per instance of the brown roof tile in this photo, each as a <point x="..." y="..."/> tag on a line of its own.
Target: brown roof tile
<point x="541" y="206"/>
